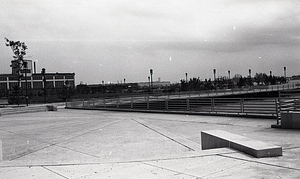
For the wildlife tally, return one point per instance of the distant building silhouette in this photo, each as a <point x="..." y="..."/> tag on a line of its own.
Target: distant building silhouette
<point x="34" y="80"/>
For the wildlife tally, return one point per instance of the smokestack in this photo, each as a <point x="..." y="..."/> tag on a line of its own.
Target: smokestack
<point x="284" y="69"/>
<point x="34" y="67"/>
<point x="214" y="71"/>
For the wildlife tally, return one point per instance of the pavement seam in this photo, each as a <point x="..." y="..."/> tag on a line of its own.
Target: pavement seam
<point x="217" y="123"/>
<point x="224" y="170"/>
<point x="262" y="163"/>
<point x="119" y="162"/>
<point x="90" y="131"/>
<point x="174" y="171"/>
<point x="164" y="135"/>
<point x="57" y="143"/>
<point x="54" y="172"/>
<point x="291" y="148"/>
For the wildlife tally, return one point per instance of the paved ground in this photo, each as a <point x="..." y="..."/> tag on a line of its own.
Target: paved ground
<point x="102" y="144"/>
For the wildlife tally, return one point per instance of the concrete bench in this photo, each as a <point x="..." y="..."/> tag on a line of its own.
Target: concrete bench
<point x="218" y="139"/>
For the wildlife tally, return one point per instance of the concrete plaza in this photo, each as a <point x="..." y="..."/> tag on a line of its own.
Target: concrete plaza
<point x="103" y="144"/>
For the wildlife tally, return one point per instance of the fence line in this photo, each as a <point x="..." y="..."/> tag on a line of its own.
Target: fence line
<point x="204" y="103"/>
<point x="267" y="107"/>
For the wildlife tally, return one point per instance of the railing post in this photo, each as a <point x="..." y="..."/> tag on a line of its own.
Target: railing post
<point x="277" y="103"/>
<point x="148" y="106"/>
<point x="166" y="104"/>
<point x="242" y="105"/>
<point x="73" y="103"/>
<point x="212" y="104"/>
<point x="131" y="103"/>
<point x="93" y="103"/>
<point x="118" y="101"/>
<point x="187" y="104"/>
<point x="82" y="103"/>
<point x="104" y="102"/>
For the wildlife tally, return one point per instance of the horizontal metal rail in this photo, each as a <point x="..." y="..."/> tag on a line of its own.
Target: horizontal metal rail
<point x="235" y="106"/>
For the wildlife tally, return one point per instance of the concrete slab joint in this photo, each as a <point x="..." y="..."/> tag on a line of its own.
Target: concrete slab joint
<point x="219" y="139"/>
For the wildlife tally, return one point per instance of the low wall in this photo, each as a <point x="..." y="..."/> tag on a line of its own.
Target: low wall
<point x="290" y="120"/>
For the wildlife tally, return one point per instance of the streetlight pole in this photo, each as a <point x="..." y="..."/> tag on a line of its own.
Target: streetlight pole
<point x="151" y="73"/>
<point x="44" y="81"/>
<point x="214" y="71"/>
<point x="149" y="83"/>
<point x="25" y="65"/>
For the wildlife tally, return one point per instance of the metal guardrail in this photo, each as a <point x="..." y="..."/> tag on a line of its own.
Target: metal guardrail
<point x="201" y="103"/>
<point x="290" y="104"/>
<point x="231" y="106"/>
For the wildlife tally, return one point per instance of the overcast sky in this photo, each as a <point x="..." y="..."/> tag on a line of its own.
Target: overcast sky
<point x="109" y="40"/>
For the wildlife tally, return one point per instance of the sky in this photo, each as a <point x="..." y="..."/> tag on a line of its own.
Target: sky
<point x="113" y="40"/>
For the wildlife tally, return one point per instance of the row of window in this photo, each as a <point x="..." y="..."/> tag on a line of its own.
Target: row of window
<point x="36" y="85"/>
<point x="48" y="77"/>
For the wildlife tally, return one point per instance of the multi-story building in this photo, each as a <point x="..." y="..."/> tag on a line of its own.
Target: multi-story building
<point x="35" y="82"/>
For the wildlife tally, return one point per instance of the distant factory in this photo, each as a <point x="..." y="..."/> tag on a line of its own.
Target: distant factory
<point x="32" y="81"/>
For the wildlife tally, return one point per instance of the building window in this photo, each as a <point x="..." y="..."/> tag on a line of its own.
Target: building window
<point x="3" y="86"/>
<point x="69" y="77"/>
<point x="37" y="77"/>
<point x="59" y="84"/>
<point x="3" y="78"/>
<point x="59" y="77"/>
<point x="38" y="84"/>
